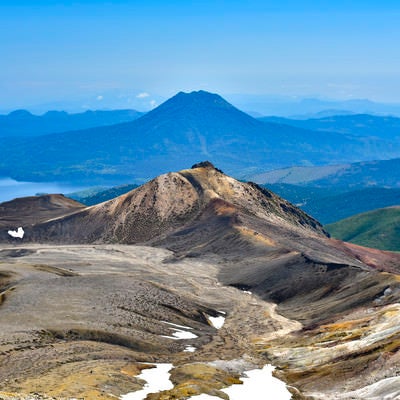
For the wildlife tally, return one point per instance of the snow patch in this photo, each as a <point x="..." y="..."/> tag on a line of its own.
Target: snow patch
<point x="176" y="325"/>
<point x="180" y="333"/>
<point x="19" y="233"/>
<point x="217" y="322"/>
<point x="190" y="349"/>
<point x="157" y="380"/>
<point x="258" y="384"/>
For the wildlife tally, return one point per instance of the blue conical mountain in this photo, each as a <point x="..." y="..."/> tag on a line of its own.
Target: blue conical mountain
<point x="185" y="129"/>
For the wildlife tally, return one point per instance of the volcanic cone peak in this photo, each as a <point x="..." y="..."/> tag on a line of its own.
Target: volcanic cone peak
<point x="174" y="202"/>
<point x="202" y="190"/>
<point x="247" y="198"/>
<point x="199" y="98"/>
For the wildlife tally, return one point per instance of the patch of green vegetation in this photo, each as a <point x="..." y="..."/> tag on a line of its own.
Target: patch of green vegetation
<point x="378" y="229"/>
<point x="81" y="194"/>
<point x="332" y="204"/>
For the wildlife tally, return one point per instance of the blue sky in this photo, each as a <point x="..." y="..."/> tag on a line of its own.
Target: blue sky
<point x="53" y="51"/>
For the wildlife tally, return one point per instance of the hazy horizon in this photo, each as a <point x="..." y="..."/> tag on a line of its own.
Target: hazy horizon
<point x="141" y="53"/>
<point x="256" y="105"/>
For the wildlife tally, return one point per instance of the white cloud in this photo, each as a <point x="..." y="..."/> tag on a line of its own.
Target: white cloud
<point x="99" y="98"/>
<point x="153" y="103"/>
<point x="142" y="95"/>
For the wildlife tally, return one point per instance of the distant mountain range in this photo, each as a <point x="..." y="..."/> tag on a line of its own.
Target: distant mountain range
<point x="184" y="129"/>
<point x="357" y="125"/>
<point x="301" y="107"/>
<point x="384" y="173"/>
<point x="23" y="123"/>
<point x="379" y="229"/>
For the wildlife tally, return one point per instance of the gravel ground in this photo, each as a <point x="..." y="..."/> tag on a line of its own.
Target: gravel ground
<point x="74" y="318"/>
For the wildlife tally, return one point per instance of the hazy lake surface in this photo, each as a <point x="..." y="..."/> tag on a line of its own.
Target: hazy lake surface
<point x="11" y="189"/>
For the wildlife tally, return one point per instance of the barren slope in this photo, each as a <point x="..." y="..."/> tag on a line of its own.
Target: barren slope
<point x="27" y="211"/>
